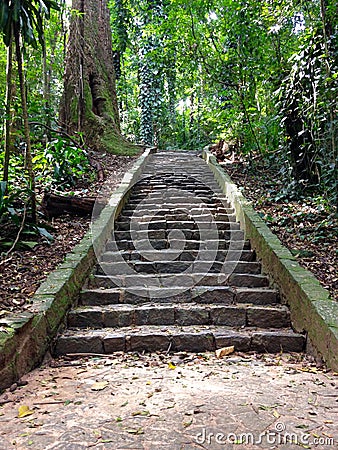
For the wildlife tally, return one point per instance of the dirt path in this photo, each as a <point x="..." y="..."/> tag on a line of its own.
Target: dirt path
<point x="174" y="402"/>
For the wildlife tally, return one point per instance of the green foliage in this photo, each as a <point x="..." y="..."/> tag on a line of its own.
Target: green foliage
<point x="68" y="163"/>
<point x="6" y="204"/>
<point x="29" y="14"/>
<point x="203" y="71"/>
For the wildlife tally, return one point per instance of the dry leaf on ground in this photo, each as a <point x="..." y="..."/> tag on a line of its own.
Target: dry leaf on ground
<point x="224" y="351"/>
<point x="24" y="411"/>
<point x="99" y="385"/>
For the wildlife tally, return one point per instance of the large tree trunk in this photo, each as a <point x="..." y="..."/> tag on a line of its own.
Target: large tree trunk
<point x="89" y="103"/>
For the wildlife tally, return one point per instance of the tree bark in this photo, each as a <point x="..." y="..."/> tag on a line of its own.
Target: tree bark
<point x="89" y="105"/>
<point x="300" y="145"/>
<point x="28" y="156"/>
<point x="56" y="205"/>
<point x="8" y="102"/>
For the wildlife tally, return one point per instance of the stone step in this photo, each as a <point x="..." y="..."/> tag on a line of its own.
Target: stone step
<point x="165" y="225"/>
<point x="158" y="190"/>
<point x="139" y="217"/>
<point x="161" y="244"/>
<point x="175" y="203"/>
<point x="170" y="255"/>
<point x="183" y="314"/>
<point x="178" y="267"/>
<point x="225" y="295"/>
<point x="176" y="338"/>
<point x="178" y="233"/>
<point x="172" y="280"/>
<point x="220" y="213"/>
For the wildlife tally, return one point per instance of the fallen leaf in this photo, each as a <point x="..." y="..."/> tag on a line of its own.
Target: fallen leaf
<point x="171" y="366"/>
<point x="24" y="411"/>
<point x="135" y="431"/>
<point x="140" y="413"/>
<point x="224" y="351"/>
<point x="99" y="385"/>
<point x="187" y="424"/>
<point x="276" y="414"/>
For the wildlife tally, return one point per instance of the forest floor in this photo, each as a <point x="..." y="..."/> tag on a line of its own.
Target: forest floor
<point x="304" y="226"/>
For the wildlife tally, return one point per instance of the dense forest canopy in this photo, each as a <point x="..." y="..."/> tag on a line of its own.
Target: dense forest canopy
<point x="260" y="75"/>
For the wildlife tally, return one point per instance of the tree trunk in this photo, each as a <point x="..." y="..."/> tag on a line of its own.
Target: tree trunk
<point x="28" y="156"/>
<point x="300" y="145"/>
<point x="58" y="205"/>
<point x="89" y="104"/>
<point x="8" y="102"/>
<point x="46" y="89"/>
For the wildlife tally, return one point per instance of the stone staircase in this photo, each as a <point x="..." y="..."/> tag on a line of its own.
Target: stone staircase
<point x="178" y="274"/>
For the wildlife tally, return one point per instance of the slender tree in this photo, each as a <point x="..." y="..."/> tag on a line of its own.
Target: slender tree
<point x="8" y="101"/>
<point x="19" y="19"/>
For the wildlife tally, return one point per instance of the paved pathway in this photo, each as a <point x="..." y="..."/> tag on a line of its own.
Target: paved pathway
<point x="182" y="401"/>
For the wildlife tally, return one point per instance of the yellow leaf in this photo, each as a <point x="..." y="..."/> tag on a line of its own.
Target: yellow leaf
<point x="99" y="385"/>
<point x="224" y="351"/>
<point x="171" y="366"/>
<point x="24" y="411"/>
<point x="187" y="424"/>
<point x="276" y="414"/>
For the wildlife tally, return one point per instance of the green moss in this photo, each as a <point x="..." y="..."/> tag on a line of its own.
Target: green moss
<point x="74" y="109"/>
<point x="117" y="145"/>
<point x="6" y="336"/>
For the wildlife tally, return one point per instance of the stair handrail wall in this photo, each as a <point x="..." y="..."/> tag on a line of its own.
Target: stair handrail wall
<point x="312" y="309"/>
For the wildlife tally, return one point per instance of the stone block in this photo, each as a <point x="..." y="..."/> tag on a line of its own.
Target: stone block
<point x="277" y="341"/>
<point x="192" y="316"/>
<point x="200" y="341"/>
<point x="149" y="342"/>
<point x="229" y="316"/>
<point x="114" y="342"/>
<point x="78" y="344"/>
<point x="268" y="317"/>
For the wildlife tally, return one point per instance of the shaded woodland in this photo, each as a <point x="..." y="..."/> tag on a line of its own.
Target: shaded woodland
<point x="257" y="79"/>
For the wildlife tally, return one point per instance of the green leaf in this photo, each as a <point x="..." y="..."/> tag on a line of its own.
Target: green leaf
<point x="45" y="233"/>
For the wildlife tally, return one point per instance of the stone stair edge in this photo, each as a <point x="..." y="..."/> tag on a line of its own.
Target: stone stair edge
<point x="178" y="338"/>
